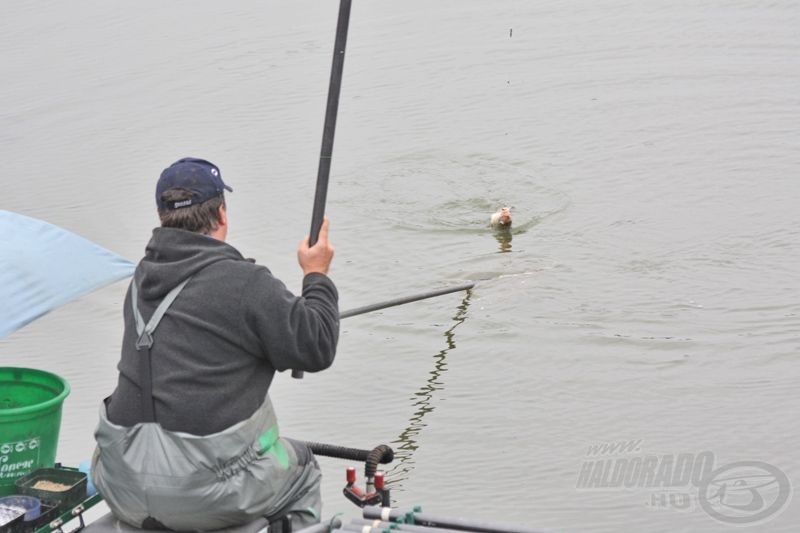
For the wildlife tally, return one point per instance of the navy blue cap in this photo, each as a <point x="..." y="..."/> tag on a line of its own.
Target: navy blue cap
<point x="199" y="176"/>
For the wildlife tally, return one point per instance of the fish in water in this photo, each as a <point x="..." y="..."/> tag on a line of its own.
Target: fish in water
<point x="501" y="219"/>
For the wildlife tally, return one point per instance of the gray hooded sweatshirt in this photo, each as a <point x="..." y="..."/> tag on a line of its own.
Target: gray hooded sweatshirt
<point x="217" y="348"/>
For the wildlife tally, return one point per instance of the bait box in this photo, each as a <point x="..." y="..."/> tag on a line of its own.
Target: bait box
<point x="73" y="481"/>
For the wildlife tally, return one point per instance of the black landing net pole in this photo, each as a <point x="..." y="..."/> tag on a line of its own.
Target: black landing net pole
<point x="329" y="129"/>
<point x="404" y="300"/>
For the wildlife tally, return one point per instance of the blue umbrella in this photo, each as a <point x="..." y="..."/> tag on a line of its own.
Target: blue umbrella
<point x="43" y="266"/>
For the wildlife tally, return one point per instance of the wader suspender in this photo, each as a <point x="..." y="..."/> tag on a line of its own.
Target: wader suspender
<point x="145" y="342"/>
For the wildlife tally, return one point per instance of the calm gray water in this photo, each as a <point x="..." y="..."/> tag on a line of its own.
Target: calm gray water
<point x="649" y="152"/>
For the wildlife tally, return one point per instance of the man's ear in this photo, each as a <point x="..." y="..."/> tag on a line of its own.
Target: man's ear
<point x="222" y="215"/>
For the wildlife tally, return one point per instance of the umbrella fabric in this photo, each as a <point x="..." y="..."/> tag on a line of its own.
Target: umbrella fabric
<point x="43" y="266"/>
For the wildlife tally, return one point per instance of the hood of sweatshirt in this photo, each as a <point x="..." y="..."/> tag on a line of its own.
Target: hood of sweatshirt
<point x="172" y="255"/>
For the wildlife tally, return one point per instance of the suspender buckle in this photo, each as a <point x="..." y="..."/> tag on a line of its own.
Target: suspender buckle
<point x="145" y="341"/>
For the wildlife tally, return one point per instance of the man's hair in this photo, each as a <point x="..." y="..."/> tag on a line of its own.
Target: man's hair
<point x="201" y="218"/>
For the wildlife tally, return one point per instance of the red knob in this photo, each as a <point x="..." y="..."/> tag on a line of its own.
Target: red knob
<point x="351" y="475"/>
<point x="379" y="480"/>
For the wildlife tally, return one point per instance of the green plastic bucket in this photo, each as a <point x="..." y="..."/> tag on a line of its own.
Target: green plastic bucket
<point x="30" y="418"/>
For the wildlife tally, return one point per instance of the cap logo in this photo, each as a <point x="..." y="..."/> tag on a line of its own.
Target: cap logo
<point x="183" y="203"/>
<point x="215" y="172"/>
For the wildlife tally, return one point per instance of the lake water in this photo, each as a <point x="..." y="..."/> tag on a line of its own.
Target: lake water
<point x="649" y="292"/>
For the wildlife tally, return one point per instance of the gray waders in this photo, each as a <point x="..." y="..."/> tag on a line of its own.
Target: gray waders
<point x="159" y="479"/>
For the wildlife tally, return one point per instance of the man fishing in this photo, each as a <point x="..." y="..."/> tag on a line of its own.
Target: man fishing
<point x="189" y="440"/>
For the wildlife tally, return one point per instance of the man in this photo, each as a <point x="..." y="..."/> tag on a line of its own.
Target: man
<point x="189" y="440"/>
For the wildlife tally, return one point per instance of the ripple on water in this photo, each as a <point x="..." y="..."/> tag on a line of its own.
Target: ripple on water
<point x="434" y="191"/>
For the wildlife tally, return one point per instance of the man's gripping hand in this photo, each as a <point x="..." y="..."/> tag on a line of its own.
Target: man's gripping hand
<point x="316" y="258"/>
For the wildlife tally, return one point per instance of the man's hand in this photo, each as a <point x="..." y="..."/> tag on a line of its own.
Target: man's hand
<point x="316" y="258"/>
